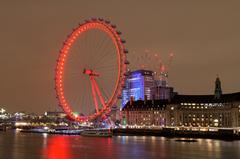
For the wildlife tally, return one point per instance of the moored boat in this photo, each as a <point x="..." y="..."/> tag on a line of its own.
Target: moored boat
<point x="186" y="140"/>
<point x="97" y="133"/>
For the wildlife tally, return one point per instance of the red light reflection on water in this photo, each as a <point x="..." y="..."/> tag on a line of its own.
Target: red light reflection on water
<point x="58" y="147"/>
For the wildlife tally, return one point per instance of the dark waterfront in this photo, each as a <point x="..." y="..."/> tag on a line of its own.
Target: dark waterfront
<point x="42" y="146"/>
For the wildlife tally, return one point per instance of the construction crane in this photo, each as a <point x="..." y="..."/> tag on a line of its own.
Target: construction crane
<point x="151" y="60"/>
<point x="164" y="69"/>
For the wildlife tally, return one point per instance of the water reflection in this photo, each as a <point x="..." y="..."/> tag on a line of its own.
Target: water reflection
<point x="72" y="147"/>
<point x="38" y="146"/>
<point x="58" y="147"/>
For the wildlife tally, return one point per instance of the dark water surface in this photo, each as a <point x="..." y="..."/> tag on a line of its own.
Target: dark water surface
<point x="41" y="146"/>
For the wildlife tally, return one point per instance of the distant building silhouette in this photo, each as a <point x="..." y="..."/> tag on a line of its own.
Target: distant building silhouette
<point x="218" y="89"/>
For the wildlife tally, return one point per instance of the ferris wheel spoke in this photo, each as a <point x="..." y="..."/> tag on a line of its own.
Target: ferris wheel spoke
<point x="91" y="45"/>
<point x="93" y="53"/>
<point x="74" y="102"/>
<point x="72" y="75"/>
<point x="105" y="93"/>
<point x="103" y="83"/>
<point x="104" y="50"/>
<point x="90" y="49"/>
<point x="85" y="97"/>
<point x="102" y="64"/>
<point x="83" y="100"/>
<point x="103" y="57"/>
<point x="111" y="58"/>
<point x="104" y="67"/>
<point x="102" y="43"/>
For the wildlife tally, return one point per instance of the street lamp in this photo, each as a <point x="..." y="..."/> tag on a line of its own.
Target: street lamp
<point x="2" y="110"/>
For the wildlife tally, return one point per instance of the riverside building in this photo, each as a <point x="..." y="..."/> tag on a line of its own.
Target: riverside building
<point x="138" y="86"/>
<point x="142" y="85"/>
<point x="217" y="110"/>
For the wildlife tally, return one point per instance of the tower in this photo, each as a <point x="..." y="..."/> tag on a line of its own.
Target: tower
<point x="218" y="89"/>
<point x="138" y="86"/>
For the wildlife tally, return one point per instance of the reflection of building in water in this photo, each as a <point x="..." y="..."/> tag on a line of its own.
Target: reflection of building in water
<point x="218" y="110"/>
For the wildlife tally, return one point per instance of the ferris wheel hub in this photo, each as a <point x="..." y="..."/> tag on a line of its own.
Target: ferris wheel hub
<point x="90" y="72"/>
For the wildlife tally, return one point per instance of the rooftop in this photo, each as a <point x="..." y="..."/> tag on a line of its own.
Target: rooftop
<point x="224" y="98"/>
<point x="177" y="99"/>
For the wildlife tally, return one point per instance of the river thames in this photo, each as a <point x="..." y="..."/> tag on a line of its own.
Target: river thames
<point x="42" y="146"/>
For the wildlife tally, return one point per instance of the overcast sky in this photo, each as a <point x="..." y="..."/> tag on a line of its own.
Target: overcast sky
<point x="204" y="36"/>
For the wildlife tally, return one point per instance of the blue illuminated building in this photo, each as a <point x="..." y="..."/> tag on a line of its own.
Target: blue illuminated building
<point x="138" y="86"/>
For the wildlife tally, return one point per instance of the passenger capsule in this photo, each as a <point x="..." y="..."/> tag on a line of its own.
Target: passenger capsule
<point x="125" y="51"/>
<point x="123" y="41"/>
<point x="126" y="62"/>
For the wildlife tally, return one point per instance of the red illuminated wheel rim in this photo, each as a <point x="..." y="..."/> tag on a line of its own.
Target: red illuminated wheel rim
<point x="90" y="70"/>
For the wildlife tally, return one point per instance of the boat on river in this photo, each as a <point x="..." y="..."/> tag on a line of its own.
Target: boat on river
<point x="97" y="133"/>
<point x="186" y="140"/>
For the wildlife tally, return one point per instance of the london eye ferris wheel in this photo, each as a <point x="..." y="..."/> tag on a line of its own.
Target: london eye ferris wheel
<point x="90" y="70"/>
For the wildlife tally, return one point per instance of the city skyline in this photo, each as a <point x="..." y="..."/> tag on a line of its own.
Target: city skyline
<point x="202" y="35"/>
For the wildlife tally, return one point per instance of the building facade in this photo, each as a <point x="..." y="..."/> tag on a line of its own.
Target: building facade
<point x="145" y="113"/>
<point x="162" y="93"/>
<point x="217" y="110"/>
<point x="138" y="86"/>
<point x="206" y="110"/>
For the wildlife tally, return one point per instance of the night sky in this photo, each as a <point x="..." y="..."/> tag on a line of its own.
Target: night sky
<point x="204" y="36"/>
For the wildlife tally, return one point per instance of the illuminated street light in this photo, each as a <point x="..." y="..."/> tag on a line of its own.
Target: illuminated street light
<point x="2" y="110"/>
